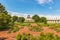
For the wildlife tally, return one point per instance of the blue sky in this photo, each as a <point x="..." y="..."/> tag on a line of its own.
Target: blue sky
<point x="40" y="7"/>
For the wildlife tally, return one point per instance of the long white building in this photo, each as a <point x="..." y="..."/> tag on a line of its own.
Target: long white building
<point x="53" y="20"/>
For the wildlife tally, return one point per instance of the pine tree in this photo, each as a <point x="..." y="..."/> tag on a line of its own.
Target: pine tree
<point x="2" y="9"/>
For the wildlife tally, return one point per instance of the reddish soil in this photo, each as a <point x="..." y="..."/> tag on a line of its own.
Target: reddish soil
<point x="10" y="36"/>
<point x="33" y="24"/>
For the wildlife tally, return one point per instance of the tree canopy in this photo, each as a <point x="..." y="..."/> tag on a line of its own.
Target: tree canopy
<point x="39" y="19"/>
<point x="15" y="18"/>
<point x="21" y="19"/>
<point x="5" y="18"/>
<point x="2" y="9"/>
<point x="36" y="18"/>
<point x="43" y="20"/>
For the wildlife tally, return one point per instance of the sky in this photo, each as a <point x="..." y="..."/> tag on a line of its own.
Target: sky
<point x="47" y="8"/>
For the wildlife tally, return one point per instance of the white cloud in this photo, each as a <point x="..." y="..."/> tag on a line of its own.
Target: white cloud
<point x="49" y="17"/>
<point x="44" y="1"/>
<point x="18" y="14"/>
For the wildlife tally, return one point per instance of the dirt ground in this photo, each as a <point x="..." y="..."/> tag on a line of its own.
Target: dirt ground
<point x="10" y="36"/>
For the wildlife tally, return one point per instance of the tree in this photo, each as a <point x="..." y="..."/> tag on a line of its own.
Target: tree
<point x="21" y="19"/>
<point x="2" y="9"/>
<point x="36" y="18"/>
<point x="5" y="18"/>
<point x="15" y="18"/>
<point x="43" y="20"/>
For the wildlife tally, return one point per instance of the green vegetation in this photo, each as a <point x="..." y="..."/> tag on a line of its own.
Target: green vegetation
<point x="24" y="37"/>
<point x="36" y="18"/>
<point x="7" y="21"/>
<point x="43" y="20"/>
<point x="13" y="29"/>
<point x="15" y="18"/>
<point x="5" y="18"/>
<point x="48" y="36"/>
<point x="36" y="28"/>
<point x="2" y="9"/>
<point x="21" y="19"/>
<point x="39" y="19"/>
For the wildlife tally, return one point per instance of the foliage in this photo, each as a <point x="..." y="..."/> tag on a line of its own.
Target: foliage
<point x="48" y="36"/>
<point x="36" y="28"/>
<point x="24" y="37"/>
<point x="2" y="9"/>
<point x="13" y="29"/>
<point x="43" y="20"/>
<point x="5" y="20"/>
<point x="18" y="37"/>
<point x="39" y="19"/>
<point x="21" y="19"/>
<point x="15" y="18"/>
<point x="41" y="36"/>
<point x="36" y="18"/>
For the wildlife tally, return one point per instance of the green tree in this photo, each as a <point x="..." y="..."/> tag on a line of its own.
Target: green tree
<point x="15" y="18"/>
<point x="36" y="18"/>
<point x="21" y="19"/>
<point x="2" y="9"/>
<point x="5" y="18"/>
<point x="43" y="20"/>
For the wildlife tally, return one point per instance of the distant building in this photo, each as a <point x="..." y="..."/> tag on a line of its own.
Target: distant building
<point x="29" y="19"/>
<point x="53" y="21"/>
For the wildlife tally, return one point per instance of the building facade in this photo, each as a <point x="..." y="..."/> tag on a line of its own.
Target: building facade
<point x="29" y="19"/>
<point x="53" y="21"/>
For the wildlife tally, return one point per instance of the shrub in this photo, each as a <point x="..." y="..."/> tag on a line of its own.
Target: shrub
<point x="3" y="28"/>
<point x="41" y="36"/>
<point x="36" y="28"/>
<point x="49" y="36"/>
<point x="18" y="37"/>
<point x="13" y="29"/>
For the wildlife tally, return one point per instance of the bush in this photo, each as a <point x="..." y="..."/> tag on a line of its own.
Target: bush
<point x="18" y="37"/>
<point x="24" y="24"/>
<point x="48" y="36"/>
<point x="13" y="29"/>
<point x="3" y="28"/>
<point x="36" y="28"/>
<point x="24" y="37"/>
<point x="41" y="36"/>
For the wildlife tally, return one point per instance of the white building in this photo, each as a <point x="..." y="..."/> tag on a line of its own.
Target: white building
<point x="29" y="19"/>
<point x="53" y="20"/>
